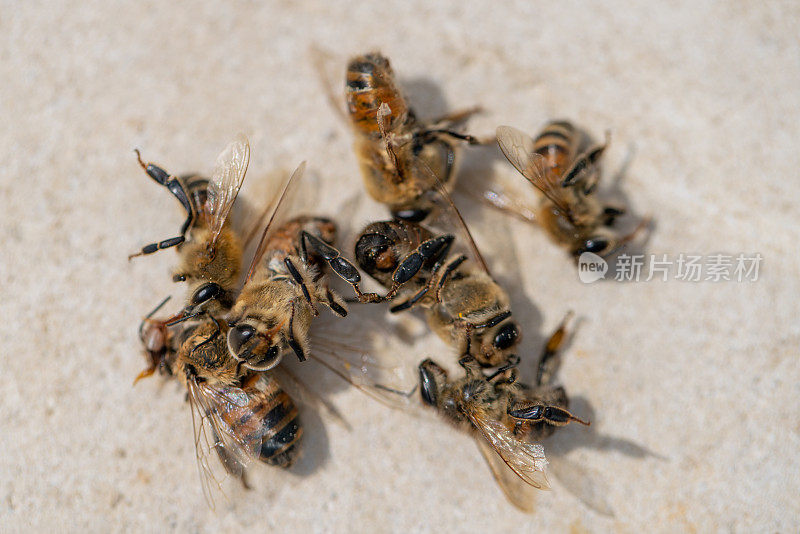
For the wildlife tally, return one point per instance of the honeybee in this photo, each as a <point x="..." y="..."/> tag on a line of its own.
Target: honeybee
<point x="389" y="139"/>
<point x="462" y="303"/>
<point x="211" y="260"/>
<point x="568" y="210"/>
<point x="249" y="416"/>
<point x="284" y="285"/>
<point x="506" y="418"/>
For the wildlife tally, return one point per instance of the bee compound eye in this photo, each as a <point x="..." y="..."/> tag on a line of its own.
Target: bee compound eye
<point x="205" y="293"/>
<point x="412" y="215"/>
<point x="595" y="245"/>
<point x="270" y="359"/>
<point x="427" y="388"/>
<point x="238" y="336"/>
<point x="507" y="336"/>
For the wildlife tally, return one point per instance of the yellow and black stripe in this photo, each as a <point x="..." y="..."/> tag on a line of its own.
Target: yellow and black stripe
<point x="557" y="142"/>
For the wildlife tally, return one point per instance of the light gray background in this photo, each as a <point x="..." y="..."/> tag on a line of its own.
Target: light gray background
<point x="692" y="387"/>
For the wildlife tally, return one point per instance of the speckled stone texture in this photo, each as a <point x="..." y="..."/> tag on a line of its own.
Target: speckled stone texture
<point x="692" y="388"/>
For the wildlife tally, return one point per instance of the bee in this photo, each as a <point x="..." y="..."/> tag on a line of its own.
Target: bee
<point x="506" y="418"/>
<point x="389" y="139"/>
<point x="241" y="415"/>
<point x="210" y="261"/>
<point x="462" y="303"/>
<point x="285" y="283"/>
<point x="568" y="210"/>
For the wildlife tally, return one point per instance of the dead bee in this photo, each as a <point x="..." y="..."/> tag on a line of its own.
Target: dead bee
<point x="568" y="210"/>
<point x="462" y="303"/>
<point x="285" y="283"/>
<point x="249" y="415"/>
<point x="389" y="139"/>
<point x="506" y="418"/>
<point x="211" y="260"/>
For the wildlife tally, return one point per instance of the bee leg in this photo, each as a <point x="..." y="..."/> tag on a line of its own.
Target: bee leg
<point x="470" y="365"/>
<point x="552" y="415"/>
<point x="471" y="139"/>
<point x="299" y="280"/>
<point x="389" y="141"/>
<point x="550" y="359"/>
<point x="407" y="304"/>
<point x="424" y="290"/>
<point x="174" y="185"/>
<point x="342" y="267"/>
<point x="512" y="363"/>
<point x="298" y="350"/>
<point x="610" y="214"/>
<point x="335" y="303"/>
<point x="445" y="124"/>
<point x="155" y="247"/>
<point x="411" y="264"/>
<point x="451" y="266"/>
<point x="584" y="169"/>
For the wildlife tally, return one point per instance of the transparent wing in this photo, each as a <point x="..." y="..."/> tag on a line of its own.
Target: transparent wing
<point x="448" y="218"/>
<point x="527" y="460"/>
<point x="321" y="58"/>
<point x="518" y="149"/>
<point x="518" y="493"/>
<point x="283" y="209"/>
<point x="503" y="191"/>
<point x="216" y="406"/>
<point x="367" y="357"/>
<point x="225" y="183"/>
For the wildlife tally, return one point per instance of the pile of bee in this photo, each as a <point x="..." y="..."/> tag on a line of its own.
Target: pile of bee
<point x="225" y="343"/>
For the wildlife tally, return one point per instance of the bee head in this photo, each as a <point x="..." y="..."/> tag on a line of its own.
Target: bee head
<point x="376" y="254"/>
<point x="598" y="244"/>
<point x="258" y="351"/>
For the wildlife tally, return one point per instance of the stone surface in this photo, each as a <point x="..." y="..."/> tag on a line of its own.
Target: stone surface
<point x="692" y="388"/>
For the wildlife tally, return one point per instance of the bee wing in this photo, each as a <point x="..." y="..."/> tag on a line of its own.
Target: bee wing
<point x="449" y="218"/>
<point x="584" y="483"/>
<point x="526" y="459"/>
<point x="367" y="358"/>
<point x="518" y="149"/>
<point x="283" y="208"/>
<point x="504" y="192"/>
<point x="211" y="405"/>
<point x="517" y="492"/>
<point x="321" y="58"/>
<point x="226" y="180"/>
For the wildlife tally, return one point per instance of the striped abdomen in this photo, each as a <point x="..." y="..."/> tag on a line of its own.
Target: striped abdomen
<point x="370" y="83"/>
<point x="558" y="143"/>
<point x="271" y="418"/>
<point x="196" y="187"/>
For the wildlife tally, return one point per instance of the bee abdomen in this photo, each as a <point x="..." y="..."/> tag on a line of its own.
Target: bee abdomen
<point x="280" y="429"/>
<point x="370" y="83"/>
<point x="557" y="142"/>
<point x="197" y="189"/>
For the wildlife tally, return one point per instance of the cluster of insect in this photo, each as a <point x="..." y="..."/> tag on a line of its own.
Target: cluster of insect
<point x="225" y="343"/>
